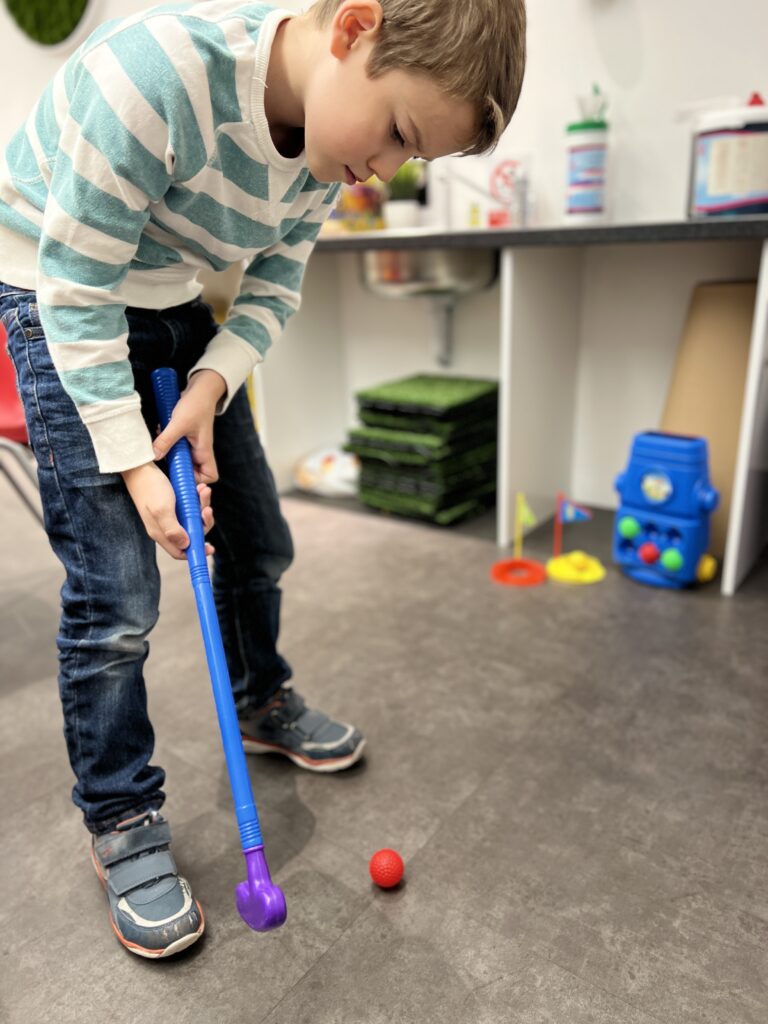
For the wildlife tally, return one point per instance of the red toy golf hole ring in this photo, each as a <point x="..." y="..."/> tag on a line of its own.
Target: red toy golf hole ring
<point x="518" y="572"/>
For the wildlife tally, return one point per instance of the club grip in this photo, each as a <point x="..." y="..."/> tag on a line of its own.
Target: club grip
<point x="179" y="459"/>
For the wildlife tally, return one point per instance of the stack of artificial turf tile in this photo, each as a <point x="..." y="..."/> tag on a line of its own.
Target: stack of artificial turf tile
<point x="427" y="447"/>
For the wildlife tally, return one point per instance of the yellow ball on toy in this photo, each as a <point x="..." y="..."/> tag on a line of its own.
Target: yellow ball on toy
<point x="706" y="569"/>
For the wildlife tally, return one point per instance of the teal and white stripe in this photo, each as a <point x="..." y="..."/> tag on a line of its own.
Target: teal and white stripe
<point x="147" y="158"/>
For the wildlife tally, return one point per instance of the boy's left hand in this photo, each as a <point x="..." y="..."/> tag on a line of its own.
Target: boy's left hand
<point x="193" y="418"/>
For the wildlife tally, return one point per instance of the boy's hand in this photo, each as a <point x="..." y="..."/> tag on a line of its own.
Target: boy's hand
<point x="155" y="501"/>
<point x="193" y="418"/>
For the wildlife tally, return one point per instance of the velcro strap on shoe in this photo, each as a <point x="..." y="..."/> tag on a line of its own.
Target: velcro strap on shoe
<point x="117" y="846"/>
<point x="311" y="722"/>
<point x="130" y="874"/>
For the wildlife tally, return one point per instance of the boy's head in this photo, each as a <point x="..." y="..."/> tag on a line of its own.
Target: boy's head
<point x="403" y="78"/>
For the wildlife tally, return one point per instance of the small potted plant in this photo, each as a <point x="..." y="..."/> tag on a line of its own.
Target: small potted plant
<point x="58" y="25"/>
<point x="401" y="208"/>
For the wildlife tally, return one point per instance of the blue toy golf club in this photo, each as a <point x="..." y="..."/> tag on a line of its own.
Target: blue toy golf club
<point x="260" y="902"/>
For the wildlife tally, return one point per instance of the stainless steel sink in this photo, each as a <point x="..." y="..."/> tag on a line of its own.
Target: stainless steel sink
<point x="440" y="274"/>
<point x="403" y="273"/>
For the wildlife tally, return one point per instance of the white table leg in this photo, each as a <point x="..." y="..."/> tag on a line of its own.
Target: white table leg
<point x="503" y="484"/>
<point x="748" y="521"/>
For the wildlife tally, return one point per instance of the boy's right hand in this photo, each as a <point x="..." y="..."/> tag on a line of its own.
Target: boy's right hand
<point x="152" y="494"/>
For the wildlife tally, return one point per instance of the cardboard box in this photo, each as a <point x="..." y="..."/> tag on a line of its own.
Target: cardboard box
<point x="707" y="386"/>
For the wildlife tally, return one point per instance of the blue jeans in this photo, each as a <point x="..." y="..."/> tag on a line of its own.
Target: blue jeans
<point x="111" y="592"/>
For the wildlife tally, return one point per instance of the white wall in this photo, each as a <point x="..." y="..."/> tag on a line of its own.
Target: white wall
<point x="344" y="339"/>
<point x="635" y="301"/>
<point x="25" y="68"/>
<point x="650" y="57"/>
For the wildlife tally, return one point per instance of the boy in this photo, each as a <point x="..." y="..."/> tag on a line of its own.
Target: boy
<point x="184" y="137"/>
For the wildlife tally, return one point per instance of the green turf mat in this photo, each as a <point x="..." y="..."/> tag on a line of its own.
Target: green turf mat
<point x="389" y="458"/>
<point x="423" y="509"/>
<point x="431" y="395"/>
<point x="428" y="424"/>
<point x="397" y="440"/>
<point x="406" y="480"/>
<point x="437" y="469"/>
<point x="430" y="504"/>
<point x="426" y="447"/>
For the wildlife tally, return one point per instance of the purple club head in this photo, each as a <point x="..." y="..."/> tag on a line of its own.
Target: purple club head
<point x="260" y="902"/>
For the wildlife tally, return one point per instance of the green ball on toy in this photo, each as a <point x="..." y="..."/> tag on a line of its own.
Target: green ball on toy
<point x="672" y="560"/>
<point x="629" y="527"/>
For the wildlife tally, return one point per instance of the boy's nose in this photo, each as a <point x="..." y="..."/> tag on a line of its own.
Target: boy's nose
<point x="386" y="167"/>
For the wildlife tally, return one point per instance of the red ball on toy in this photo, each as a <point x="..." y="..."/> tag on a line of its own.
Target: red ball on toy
<point x="649" y="553"/>
<point x="386" y="868"/>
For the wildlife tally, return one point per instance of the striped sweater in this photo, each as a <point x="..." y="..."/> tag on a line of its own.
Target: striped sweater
<point x="147" y="158"/>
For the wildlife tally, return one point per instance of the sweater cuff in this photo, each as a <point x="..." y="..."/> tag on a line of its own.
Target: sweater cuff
<point x="232" y="358"/>
<point x="121" y="442"/>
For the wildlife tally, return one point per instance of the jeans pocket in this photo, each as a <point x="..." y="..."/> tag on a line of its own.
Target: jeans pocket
<point x="11" y="290"/>
<point x="56" y="433"/>
<point x="10" y="300"/>
<point x="89" y="476"/>
<point x="29" y="320"/>
<point x="9" y="354"/>
<point x="7" y="313"/>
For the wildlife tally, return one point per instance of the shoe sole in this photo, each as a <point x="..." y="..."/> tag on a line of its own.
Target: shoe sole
<point x="328" y="764"/>
<point x="157" y="954"/>
<point x="133" y="947"/>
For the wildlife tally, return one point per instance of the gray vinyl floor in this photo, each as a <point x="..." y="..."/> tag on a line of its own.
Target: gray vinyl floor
<point x="577" y="780"/>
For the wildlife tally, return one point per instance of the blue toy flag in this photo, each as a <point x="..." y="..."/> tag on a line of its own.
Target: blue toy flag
<point x="572" y="513"/>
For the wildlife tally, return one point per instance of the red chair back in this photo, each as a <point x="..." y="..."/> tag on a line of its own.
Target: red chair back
<point x="12" y="425"/>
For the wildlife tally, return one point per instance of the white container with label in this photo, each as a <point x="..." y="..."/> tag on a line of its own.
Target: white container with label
<point x="729" y="167"/>
<point x="587" y="165"/>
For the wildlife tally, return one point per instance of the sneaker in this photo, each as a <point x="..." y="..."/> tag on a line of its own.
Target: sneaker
<point x="309" y="738"/>
<point x="151" y="907"/>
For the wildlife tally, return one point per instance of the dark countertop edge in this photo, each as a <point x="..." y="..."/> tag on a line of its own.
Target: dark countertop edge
<point x="713" y="229"/>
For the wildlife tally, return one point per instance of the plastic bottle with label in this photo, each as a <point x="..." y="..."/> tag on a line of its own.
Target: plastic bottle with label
<point x="587" y="162"/>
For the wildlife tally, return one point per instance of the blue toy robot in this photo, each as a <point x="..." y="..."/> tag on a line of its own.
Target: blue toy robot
<point x="662" y="525"/>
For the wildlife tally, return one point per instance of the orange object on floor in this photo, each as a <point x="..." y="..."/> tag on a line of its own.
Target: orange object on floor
<point x="518" y="572"/>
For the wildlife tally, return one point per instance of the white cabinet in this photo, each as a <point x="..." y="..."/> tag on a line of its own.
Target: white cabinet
<point x="581" y="330"/>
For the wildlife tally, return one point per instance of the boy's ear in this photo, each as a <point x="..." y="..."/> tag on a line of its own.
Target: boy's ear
<point x="354" y="19"/>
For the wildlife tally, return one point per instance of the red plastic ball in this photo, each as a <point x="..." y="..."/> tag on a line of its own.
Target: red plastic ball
<point x="386" y="868"/>
<point x="648" y="553"/>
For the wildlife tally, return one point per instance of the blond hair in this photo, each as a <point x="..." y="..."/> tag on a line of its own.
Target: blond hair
<point x="473" y="49"/>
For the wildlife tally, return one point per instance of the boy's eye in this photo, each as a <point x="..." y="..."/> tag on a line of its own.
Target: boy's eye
<point x="397" y="136"/>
